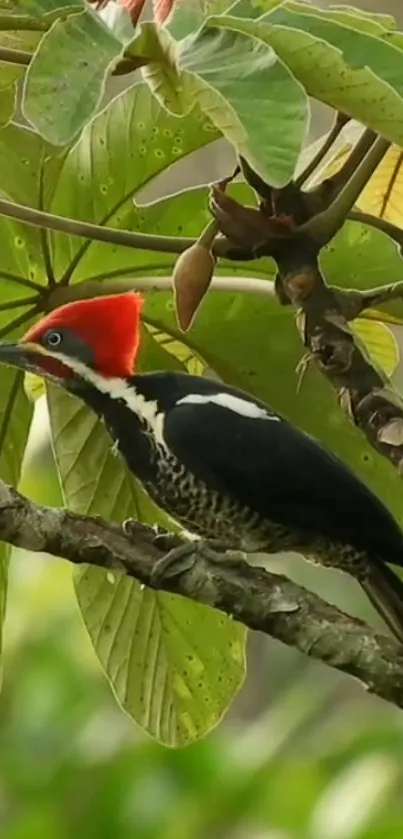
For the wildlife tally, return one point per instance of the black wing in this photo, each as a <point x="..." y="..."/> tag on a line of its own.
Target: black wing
<point x="281" y="473"/>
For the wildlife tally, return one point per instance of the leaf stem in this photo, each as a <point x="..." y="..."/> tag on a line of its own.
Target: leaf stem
<point x="44" y="234"/>
<point x="23" y="318"/>
<point x="8" y="305"/>
<point x="11" y="56"/>
<point x="109" y="235"/>
<point x="23" y="281"/>
<point x="324" y="226"/>
<point x="90" y="288"/>
<point x="340" y="121"/>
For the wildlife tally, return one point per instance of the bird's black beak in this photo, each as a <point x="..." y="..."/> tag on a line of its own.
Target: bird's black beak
<point x="24" y="356"/>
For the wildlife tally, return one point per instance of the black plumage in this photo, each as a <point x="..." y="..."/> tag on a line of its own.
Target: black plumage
<point x="220" y="471"/>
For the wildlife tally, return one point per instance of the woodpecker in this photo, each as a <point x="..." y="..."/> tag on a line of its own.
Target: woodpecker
<point x="220" y="462"/>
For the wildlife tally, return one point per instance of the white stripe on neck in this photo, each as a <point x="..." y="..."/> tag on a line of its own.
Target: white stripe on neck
<point x="116" y="388"/>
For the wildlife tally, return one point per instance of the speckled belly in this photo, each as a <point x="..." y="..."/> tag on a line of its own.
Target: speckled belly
<point x="211" y="515"/>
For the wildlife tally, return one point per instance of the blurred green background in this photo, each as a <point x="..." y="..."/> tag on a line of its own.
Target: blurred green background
<point x="303" y="752"/>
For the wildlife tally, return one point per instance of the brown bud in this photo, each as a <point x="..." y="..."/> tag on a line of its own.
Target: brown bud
<point x="191" y="278"/>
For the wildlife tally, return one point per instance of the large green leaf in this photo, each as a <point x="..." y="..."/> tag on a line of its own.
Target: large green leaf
<point x="229" y="75"/>
<point x="344" y="67"/>
<point x="251" y="96"/>
<point x="119" y="152"/>
<point x="22" y="259"/>
<point x="363" y="258"/>
<point x="61" y="96"/>
<point x="9" y="75"/>
<point x="22" y="255"/>
<point x="174" y="665"/>
<point x="161" y="73"/>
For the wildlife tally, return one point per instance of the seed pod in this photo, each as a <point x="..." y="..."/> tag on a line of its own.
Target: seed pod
<point x="191" y="278"/>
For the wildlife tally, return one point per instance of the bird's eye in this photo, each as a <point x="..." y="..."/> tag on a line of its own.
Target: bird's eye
<point x="53" y="339"/>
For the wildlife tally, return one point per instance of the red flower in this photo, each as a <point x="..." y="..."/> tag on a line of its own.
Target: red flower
<point x="162" y="9"/>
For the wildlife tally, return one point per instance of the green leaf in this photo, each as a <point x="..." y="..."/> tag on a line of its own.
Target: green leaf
<point x="161" y="73"/>
<point x="379" y="342"/>
<point x="252" y="98"/>
<point x="172" y="217"/>
<point x="187" y="17"/>
<point x="22" y="153"/>
<point x="174" y="665"/>
<point x="364" y="258"/>
<point x="40" y="9"/>
<point x="134" y="128"/>
<point x="9" y="76"/>
<point x="229" y="75"/>
<point x="60" y="97"/>
<point x="186" y="356"/>
<point x="341" y="66"/>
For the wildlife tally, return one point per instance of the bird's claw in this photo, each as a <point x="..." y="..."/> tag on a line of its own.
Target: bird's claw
<point x="152" y="532"/>
<point x="183" y="558"/>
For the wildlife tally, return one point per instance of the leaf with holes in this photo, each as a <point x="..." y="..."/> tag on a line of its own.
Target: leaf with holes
<point x="22" y="261"/>
<point x="174" y="665"/>
<point x="228" y="74"/>
<point x="134" y="128"/>
<point x="184" y="214"/>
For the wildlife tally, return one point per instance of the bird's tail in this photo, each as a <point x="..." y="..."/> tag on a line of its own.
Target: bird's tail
<point x="385" y="591"/>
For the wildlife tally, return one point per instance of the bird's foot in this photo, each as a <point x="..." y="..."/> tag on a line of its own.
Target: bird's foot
<point x="152" y="533"/>
<point x="180" y="559"/>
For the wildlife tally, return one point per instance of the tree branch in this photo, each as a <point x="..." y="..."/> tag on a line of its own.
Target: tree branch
<point x="261" y="600"/>
<point x="364" y="391"/>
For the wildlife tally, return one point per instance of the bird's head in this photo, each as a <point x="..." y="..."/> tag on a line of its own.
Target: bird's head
<point x="98" y="335"/>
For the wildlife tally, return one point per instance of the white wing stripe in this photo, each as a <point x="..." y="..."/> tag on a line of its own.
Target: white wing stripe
<point x="231" y="402"/>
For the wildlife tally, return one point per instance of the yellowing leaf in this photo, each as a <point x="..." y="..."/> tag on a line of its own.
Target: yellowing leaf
<point x="34" y="386"/>
<point x="380" y="343"/>
<point x="179" y="350"/>
<point x="383" y="194"/>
